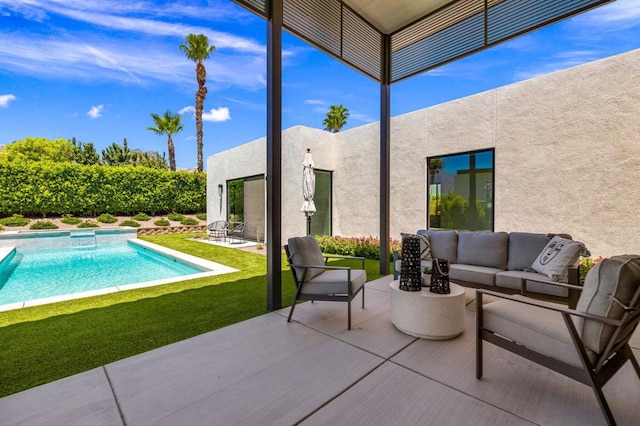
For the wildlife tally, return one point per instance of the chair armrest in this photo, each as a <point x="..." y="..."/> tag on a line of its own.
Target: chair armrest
<point x="298" y="265"/>
<point x="550" y="307"/>
<point x="330" y="256"/>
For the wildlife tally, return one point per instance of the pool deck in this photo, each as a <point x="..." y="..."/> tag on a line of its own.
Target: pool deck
<point x="313" y="371"/>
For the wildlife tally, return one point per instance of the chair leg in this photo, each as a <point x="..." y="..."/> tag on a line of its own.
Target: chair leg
<point x="603" y="404"/>
<point x="291" y="311"/>
<point x="362" y="297"/>
<point x="349" y="315"/>
<point x="634" y="362"/>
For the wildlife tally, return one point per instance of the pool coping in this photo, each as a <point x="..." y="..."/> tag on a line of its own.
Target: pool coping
<point x="212" y="269"/>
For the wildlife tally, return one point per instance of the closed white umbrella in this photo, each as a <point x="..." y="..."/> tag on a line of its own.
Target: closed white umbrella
<point x="308" y="188"/>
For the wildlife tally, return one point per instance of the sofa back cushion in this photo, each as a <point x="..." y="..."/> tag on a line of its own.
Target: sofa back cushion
<point x="609" y="285"/>
<point x="444" y="244"/>
<point x="488" y="249"/>
<point x="524" y="248"/>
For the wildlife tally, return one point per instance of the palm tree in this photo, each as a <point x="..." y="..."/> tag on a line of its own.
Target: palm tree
<point x="169" y="124"/>
<point x="336" y="118"/>
<point x="198" y="49"/>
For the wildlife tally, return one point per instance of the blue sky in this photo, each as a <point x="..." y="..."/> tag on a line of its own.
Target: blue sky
<point x="97" y="69"/>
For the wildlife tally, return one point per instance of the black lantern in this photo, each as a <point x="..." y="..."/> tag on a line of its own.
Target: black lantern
<point x="410" y="273"/>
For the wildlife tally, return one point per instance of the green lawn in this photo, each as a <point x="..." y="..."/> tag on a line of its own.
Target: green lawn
<point x="45" y="343"/>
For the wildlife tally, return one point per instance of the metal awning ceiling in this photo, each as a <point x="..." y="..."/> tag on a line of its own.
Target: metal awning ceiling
<point x="424" y="33"/>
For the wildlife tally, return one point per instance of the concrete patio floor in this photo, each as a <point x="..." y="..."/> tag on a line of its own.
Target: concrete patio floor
<point x="313" y="371"/>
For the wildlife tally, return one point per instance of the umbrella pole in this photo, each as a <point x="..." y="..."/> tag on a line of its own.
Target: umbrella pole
<point x="308" y="224"/>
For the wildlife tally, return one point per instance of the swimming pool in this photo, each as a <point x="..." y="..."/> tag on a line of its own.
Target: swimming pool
<point x="32" y="275"/>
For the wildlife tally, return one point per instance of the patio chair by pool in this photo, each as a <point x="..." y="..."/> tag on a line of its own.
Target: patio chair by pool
<point x="237" y="232"/>
<point x="315" y="280"/>
<point x="217" y="230"/>
<point x="588" y="344"/>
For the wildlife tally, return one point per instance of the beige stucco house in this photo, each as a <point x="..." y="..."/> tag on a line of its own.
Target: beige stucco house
<point x="565" y="146"/>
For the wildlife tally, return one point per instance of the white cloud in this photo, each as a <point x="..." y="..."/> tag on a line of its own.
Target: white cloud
<point x="217" y="114"/>
<point x="187" y="110"/>
<point x="315" y="102"/>
<point x="621" y="13"/>
<point x="5" y="99"/>
<point x="95" y="111"/>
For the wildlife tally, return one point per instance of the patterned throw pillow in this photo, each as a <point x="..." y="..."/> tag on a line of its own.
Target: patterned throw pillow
<point x="556" y="257"/>
<point x="425" y="245"/>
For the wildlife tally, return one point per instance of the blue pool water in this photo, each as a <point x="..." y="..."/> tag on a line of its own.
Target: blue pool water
<point x="39" y="273"/>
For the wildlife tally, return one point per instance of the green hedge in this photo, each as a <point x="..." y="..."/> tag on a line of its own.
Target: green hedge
<point x="43" y="188"/>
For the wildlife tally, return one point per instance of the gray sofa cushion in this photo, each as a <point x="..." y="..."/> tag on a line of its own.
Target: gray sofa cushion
<point x="615" y="278"/>
<point x="535" y="282"/>
<point x="524" y="248"/>
<point x="488" y="249"/>
<point x="444" y="244"/>
<point x="335" y="282"/>
<point x="306" y="251"/>
<point x="475" y="274"/>
<point x="541" y="330"/>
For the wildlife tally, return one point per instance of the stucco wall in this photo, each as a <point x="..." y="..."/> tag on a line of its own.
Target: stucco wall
<point x="567" y="154"/>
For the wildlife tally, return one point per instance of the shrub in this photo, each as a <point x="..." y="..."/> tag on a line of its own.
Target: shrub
<point x="143" y="217"/>
<point x="130" y="222"/>
<point x="47" y="188"/>
<point x="175" y="216"/>
<point x="107" y="218"/>
<point x="88" y="224"/>
<point x="201" y="216"/>
<point x="1" y="228"/>
<point x="15" y="220"/>
<point x="70" y="220"/>
<point x="189" y="221"/>
<point x="586" y="263"/>
<point x="43" y="224"/>
<point x="162" y="222"/>
<point x="368" y="247"/>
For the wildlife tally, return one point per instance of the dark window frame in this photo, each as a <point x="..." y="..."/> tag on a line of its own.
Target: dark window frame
<point x="459" y="154"/>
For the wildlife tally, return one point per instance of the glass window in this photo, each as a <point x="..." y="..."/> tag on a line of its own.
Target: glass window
<point x="246" y="203"/>
<point x="321" y="219"/>
<point x="461" y="191"/>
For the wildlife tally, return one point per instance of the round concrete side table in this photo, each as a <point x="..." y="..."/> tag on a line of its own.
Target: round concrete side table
<point x="428" y="315"/>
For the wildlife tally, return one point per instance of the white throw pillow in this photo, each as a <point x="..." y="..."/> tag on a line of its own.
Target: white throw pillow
<point x="425" y="245"/>
<point x="556" y="257"/>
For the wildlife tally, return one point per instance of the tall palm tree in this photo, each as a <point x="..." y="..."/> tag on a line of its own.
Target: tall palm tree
<point x="169" y="124"/>
<point x="198" y="49"/>
<point x="336" y="118"/>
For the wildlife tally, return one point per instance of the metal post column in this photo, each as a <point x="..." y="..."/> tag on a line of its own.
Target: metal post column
<point x="274" y="156"/>
<point x="385" y="157"/>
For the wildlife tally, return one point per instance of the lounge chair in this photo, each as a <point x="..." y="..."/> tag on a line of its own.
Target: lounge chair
<point x="315" y="280"/>
<point x="237" y="232"/>
<point x="589" y="343"/>
<point x="217" y="230"/>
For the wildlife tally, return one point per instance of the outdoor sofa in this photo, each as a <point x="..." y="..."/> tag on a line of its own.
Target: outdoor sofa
<point x="504" y="262"/>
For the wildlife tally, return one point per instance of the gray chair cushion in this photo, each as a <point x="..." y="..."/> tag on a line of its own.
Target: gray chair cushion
<point x="543" y="331"/>
<point x="306" y="251"/>
<point x="535" y="282"/>
<point x="475" y="274"/>
<point x="335" y="282"/>
<point x="617" y="277"/>
<point x="524" y="248"/>
<point x="444" y="244"/>
<point x="554" y="260"/>
<point x="488" y="249"/>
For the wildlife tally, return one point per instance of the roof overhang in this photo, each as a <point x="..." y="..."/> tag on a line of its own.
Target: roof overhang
<point x="424" y="34"/>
